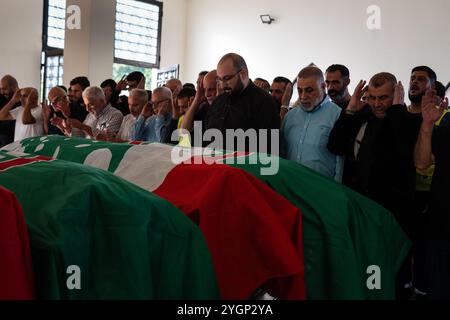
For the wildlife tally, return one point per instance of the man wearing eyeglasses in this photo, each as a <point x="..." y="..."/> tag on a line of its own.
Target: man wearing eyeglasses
<point x="152" y="125"/>
<point x="242" y="105"/>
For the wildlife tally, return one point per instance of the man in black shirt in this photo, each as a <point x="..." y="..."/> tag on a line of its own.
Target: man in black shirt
<point x="433" y="145"/>
<point x="337" y="80"/>
<point x="379" y="139"/>
<point x="242" y="106"/>
<point x="8" y="86"/>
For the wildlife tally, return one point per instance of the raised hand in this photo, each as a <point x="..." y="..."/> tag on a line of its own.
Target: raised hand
<point x="148" y="111"/>
<point x="141" y="84"/>
<point x="17" y="95"/>
<point x="287" y="95"/>
<point x="32" y="99"/>
<point x="165" y="109"/>
<point x="62" y="125"/>
<point x="46" y="111"/>
<point x="431" y="112"/>
<point x="122" y="84"/>
<point x="200" y="95"/>
<point x="356" y="103"/>
<point x="399" y="94"/>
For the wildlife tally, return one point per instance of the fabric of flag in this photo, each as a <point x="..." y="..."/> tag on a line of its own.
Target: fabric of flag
<point x="344" y="234"/>
<point x="126" y="242"/>
<point x="16" y="273"/>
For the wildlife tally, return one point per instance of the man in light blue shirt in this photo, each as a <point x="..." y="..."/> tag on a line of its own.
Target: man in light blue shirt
<point x="306" y="129"/>
<point x="153" y="123"/>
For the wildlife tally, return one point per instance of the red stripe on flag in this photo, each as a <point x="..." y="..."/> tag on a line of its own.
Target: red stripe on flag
<point x="18" y="162"/>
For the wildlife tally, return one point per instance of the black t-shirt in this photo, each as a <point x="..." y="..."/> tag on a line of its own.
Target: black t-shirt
<point x="7" y="127"/>
<point x="3" y="101"/>
<point x="440" y="187"/>
<point x="253" y="108"/>
<point x="78" y="111"/>
<point x="343" y="105"/>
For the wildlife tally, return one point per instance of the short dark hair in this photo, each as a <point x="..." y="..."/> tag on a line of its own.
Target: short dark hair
<point x="135" y="76"/>
<point x="341" y="68"/>
<point x="83" y="82"/>
<point x="64" y="88"/>
<point x="440" y="89"/>
<point x="187" y="92"/>
<point x="382" y="78"/>
<point x="431" y="74"/>
<point x="284" y="80"/>
<point x="189" y="85"/>
<point x="109" y="83"/>
<point x="263" y="80"/>
<point x="203" y="73"/>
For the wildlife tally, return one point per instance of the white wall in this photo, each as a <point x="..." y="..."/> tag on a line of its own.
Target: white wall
<point x="323" y="32"/>
<point x="21" y="40"/>
<point x="173" y="37"/>
<point x="89" y="51"/>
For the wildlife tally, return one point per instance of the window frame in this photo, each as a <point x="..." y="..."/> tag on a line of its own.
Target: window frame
<point x="140" y="64"/>
<point x="47" y="51"/>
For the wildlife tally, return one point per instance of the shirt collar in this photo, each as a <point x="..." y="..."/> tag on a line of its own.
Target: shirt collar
<point x="325" y="100"/>
<point x="105" y="109"/>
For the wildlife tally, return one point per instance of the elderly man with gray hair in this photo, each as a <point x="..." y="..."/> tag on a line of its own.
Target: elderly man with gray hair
<point x="137" y="100"/>
<point x="153" y="122"/>
<point x="101" y="121"/>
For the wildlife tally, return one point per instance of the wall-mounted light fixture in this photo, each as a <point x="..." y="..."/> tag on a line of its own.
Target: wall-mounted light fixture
<point x="265" y="18"/>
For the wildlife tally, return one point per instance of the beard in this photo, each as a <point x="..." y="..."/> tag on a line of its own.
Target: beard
<point x="417" y="98"/>
<point x="334" y="94"/>
<point x="238" y="88"/>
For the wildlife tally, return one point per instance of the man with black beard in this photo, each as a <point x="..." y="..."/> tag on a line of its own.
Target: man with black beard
<point x="8" y="86"/>
<point x="242" y="105"/>
<point x="337" y="78"/>
<point x="422" y="79"/>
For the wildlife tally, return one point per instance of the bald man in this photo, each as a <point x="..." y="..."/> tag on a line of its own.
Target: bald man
<point x="152" y="125"/>
<point x="242" y="106"/>
<point x="207" y="92"/>
<point x="28" y="116"/>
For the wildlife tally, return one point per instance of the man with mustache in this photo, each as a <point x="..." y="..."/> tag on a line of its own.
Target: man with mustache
<point x="337" y="80"/>
<point x="382" y="143"/>
<point x="306" y="129"/>
<point x="8" y="86"/>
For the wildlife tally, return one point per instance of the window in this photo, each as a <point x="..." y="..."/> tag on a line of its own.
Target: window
<point x="138" y="33"/>
<point x="56" y="23"/>
<point x="53" y="45"/>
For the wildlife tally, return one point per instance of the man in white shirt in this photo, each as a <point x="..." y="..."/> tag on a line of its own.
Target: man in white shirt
<point x="28" y="116"/>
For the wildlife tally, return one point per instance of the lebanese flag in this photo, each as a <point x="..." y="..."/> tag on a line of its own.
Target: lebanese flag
<point x="294" y="228"/>
<point x="16" y="273"/>
<point x="254" y="234"/>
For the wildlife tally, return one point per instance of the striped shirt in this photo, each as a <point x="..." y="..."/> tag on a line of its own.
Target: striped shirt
<point x="110" y="119"/>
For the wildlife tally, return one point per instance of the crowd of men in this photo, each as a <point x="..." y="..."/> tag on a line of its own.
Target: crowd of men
<point x="372" y="142"/>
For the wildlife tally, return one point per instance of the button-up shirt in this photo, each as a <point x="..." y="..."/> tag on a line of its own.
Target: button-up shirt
<point x="126" y="130"/>
<point x="154" y="129"/>
<point x="109" y="119"/>
<point x="305" y="138"/>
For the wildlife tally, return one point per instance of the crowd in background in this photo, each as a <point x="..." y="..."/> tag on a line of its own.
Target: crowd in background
<point x="371" y="141"/>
